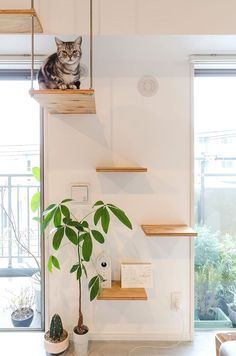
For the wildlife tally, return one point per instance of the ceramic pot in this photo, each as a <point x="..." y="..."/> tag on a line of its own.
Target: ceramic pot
<point x="56" y="348"/>
<point x="80" y="343"/>
<point x="22" y="317"/>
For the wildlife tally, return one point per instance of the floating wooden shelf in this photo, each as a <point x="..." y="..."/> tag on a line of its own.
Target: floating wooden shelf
<point x="69" y="101"/>
<point x="118" y="293"/>
<point x="120" y="169"/>
<point x="19" y="21"/>
<point x="168" y="230"/>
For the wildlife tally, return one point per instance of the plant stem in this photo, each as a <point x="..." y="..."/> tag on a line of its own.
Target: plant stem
<point x="81" y="319"/>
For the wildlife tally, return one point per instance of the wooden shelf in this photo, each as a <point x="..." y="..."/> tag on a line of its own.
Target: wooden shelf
<point x="118" y="293"/>
<point x="69" y="101"/>
<point x="120" y="169"/>
<point x="168" y="230"/>
<point x="19" y="21"/>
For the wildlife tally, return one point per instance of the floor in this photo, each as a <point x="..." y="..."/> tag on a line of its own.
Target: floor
<point x="24" y="343"/>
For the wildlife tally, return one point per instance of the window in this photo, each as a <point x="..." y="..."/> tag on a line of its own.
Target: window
<point x="20" y="243"/>
<point x="215" y="197"/>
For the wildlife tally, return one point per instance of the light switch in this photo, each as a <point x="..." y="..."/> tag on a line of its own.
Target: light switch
<point x="80" y="193"/>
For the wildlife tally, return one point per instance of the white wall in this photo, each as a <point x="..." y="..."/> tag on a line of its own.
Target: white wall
<point x="130" y="129"/>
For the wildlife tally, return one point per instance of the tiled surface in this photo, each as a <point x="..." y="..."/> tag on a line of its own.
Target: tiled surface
<point x="31" y="344"/>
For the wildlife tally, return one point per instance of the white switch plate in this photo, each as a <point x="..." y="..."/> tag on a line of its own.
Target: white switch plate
<point x="80" y="193"/>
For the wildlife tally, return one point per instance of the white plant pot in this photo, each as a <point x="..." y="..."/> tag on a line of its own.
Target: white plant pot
<point x="80" y="344"/>
<point x="56" y="347"/>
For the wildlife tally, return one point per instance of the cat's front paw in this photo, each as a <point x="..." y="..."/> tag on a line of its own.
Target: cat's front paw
<point x="62" y="86"/>
<point x="72" y="86"/>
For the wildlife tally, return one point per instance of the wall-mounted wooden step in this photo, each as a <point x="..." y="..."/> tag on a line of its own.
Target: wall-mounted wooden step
<point x="118" y="293"/>
<point x="121" y="169"/>
<point x="69" y="101"/>
<point x="168" y="230"/>
<point x="19" y="21"/>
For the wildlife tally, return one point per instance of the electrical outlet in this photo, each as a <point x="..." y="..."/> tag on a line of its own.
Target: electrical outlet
<point x="176" y="300"/>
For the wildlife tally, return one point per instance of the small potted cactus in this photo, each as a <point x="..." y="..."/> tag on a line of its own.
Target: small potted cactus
<point x="56" y="339"/>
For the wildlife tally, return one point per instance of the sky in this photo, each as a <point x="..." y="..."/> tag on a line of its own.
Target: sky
<point x="214" y="103"/>
<point x="19" y="114"/>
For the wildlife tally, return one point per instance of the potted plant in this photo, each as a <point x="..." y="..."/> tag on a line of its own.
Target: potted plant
<point x="21" y="305"/>
<point x="81" y="234"/>
<point x="56" y="339"/>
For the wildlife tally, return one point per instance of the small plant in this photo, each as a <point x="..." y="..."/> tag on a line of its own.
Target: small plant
<point x="22" y="301"/>
<point x="21" y="305"/>
<point x="56" y="328"/>
<point x="56" y="339"/>
<point x="215" y="272"/>
<point x="81" y="234"/>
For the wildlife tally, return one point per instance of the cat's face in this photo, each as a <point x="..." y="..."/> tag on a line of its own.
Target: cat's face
<point x="69" y="52"/>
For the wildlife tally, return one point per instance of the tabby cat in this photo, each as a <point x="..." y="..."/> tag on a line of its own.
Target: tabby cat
<point x="61" y="70"/>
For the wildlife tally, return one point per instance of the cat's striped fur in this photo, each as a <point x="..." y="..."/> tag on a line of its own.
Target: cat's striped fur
<point x="61" y="70"/>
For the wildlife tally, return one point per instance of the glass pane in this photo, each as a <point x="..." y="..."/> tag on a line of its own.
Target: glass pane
<point x="20" y="286"/>
<point x="215" y="201"/>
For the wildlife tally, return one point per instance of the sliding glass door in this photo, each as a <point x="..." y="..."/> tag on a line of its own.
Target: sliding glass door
<point x="20" y="243"/>
<point x="215" y="197"/>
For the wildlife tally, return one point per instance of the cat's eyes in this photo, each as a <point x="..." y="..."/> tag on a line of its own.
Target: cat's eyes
<point x="64" y="52"/>
<point x="75" y="52"/>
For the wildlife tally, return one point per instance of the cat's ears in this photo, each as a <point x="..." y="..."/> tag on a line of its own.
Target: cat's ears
<point x="58" y="41"/>
<point x="78" y="40"/>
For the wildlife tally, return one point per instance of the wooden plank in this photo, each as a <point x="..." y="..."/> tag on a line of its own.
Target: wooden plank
<point x="69" y="101"/>
<point x="118" y="293"/>
<point x="120" y="169"/>
<point x="168" y="230"/>
<point x="19" y="21"/>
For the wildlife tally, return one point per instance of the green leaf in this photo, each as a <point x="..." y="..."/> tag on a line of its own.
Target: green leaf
<point x="79" y="273"/>
<point x="82" y="237"/>
<point x="85" y="224"/>
<point x="74" y="268"/>
<point x="65" y="211"/>
<point x="87" y="247"/>
<point x="85" y="272"/>
<point x="57" y="238"/>
<point x="92" y="280"/>
<point x="49" y="208"/>
<point x="35" y="202"/>
<point x="36" y="218"/>
<point x="120" y="214"/>
<point x="99" y="202"/>
<point x="57" y="217"/>
<point x="55" y="262"/>
<point x="76" y="224"/>
<point x="50" y="264"/>
<point x="72" y="236"/>
<point x="47" y="219"/>
<point x="95" y="288"/>
<point x="97" y="215"/>
<point x="105" y="220"/>
<point x="36" y="173"/>
<point x="98" y="236"/>
<point x="65" y="201"/>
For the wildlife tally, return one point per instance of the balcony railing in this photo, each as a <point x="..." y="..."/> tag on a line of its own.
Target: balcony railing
<point x="19" y="233"/>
